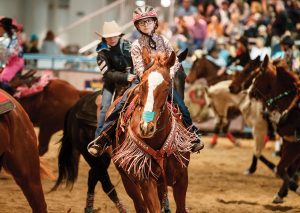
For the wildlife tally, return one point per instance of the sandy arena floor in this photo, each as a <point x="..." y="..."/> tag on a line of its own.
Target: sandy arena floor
<point x="216" y="184"/>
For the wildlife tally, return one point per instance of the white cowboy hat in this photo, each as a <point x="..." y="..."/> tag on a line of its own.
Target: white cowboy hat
<point x="110" y="29"/>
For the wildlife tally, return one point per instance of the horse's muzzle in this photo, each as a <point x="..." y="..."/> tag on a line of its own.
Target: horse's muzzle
<point x="147" y="129"/>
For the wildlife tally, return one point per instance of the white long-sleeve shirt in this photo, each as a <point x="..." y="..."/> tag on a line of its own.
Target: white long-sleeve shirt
<point x="162" y="45"/>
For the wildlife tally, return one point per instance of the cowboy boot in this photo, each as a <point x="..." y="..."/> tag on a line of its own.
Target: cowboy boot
<point x="197" y="143"/>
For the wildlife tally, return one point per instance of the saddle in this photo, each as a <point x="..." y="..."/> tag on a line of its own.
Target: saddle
<point x="6" y="104"/>
<point x="88" y="111"/>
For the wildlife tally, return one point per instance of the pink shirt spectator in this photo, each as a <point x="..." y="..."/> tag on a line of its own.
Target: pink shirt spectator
<point x="196" y="26"/>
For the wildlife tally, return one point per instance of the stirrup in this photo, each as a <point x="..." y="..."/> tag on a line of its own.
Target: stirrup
<point x="95" y="149"/>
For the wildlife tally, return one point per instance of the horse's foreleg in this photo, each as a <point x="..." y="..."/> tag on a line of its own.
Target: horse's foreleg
<point x="252" y="167"/>
<point x="292" y="173"/>
<point x="133" y="191"/>
<point x="150" y="195"/>
<point x="229" y="135"/>
<point x="290" y="154"/>
<point x="217" y="129"/>
<point x="26" y="172"/>
<point x="179" y="191"/>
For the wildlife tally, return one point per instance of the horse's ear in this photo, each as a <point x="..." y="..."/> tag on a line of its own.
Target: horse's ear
<point x="146" y="56"/>
<point x="171" y="60"/>
<point x="257" y="59"/>
<point x="265" y="63"/>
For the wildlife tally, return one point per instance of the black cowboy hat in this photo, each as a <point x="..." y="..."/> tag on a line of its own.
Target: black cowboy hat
<point x="6" y="23"/>
<point x="287" y="40"/>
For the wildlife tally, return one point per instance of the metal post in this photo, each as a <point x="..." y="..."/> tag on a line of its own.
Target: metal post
<point x="171" y="12"/>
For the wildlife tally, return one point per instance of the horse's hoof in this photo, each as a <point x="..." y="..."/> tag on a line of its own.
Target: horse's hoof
<point x="275" y="172"/>
<point x="88" y="210"/>
<point x="237" y="143"/>
<point x="247" y="172"/>
<point x="277" y="199"/>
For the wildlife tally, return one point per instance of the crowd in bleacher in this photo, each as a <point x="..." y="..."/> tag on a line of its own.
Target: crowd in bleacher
<point x="264" y="25"/>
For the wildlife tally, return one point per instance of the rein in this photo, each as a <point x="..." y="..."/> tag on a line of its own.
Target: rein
<point x="271" y="101"/>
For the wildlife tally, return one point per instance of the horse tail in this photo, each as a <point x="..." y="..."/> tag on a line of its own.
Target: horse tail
<point x="68" y="157"/>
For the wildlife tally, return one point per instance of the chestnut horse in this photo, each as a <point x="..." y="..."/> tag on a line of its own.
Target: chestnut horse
<point x="19" y="154"/>
<point x="206" y="69"/>
<point x="279" y="91"/>
<point x="48" y="108"/>
<point x="154" y="149"/>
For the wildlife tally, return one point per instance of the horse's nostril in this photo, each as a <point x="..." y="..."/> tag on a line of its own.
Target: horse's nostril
<point x="151" y="128"/>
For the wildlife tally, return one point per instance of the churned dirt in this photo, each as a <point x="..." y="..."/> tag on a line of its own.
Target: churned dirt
<point x="216" y="184"/>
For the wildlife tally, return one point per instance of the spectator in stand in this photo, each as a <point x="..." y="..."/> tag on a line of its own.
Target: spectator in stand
<point x="280" y="24"/>
<point x="260" y="49"/>
<point x="164" y="30"/>
<point x="242" y="8"/>
<point x="186" y="9"/>
<point x="293" y="11"/>
<point x="33" y="44"/>
<point x="49" y="45"/>
<point x="224" y="12"/>
<point x="215" y="28"/>
<point x="209" y="9"/>
<point x="197" y="29"/>
<point x="234" y="29"/>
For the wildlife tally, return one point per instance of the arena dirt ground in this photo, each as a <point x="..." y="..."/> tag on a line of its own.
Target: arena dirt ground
<point x="216" y="184"/>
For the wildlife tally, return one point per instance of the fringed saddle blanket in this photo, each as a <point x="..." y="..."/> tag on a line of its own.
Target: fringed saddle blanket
<point x="6" y="104"/>
<point x="133" y="158"/>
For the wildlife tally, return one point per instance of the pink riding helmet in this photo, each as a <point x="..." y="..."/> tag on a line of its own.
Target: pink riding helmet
<point x="143" y="12"/>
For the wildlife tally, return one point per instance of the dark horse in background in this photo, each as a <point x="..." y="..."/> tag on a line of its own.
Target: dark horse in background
<point x="79" y="129"/>
<point x="19" y="152"/>
<point x="204" y="68"/>
<point x="48" y="108"/>
<point x="279" y="91"/>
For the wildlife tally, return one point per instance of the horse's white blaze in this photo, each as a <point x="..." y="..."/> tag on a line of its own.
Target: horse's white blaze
<point x="154" y="79"/>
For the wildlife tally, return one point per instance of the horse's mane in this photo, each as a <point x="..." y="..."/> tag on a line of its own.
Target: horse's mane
<point x="158" y="59"/>
<point x="282" y="67"/>
<point x="204" y="58"/>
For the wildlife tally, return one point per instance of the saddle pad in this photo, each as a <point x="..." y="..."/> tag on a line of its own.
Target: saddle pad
<point x="88" y="110"/>
<point x="3" y="98"/>
<point x="6" y="104"/>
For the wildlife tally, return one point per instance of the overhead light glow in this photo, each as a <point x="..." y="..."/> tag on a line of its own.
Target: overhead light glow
<point x="165" y="3"/>
<point x="139" y="3"/>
